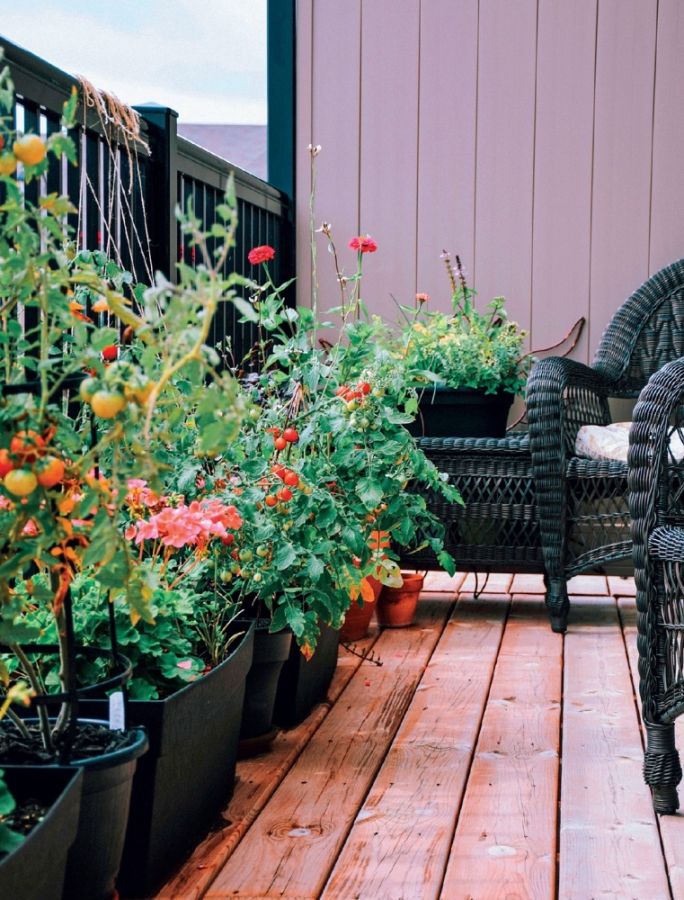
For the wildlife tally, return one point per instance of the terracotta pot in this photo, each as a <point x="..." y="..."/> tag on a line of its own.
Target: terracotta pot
<point x="358" y="618"/>
<point x="397" y="606"/>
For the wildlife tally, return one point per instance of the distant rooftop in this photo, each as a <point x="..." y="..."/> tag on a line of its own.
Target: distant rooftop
<point x="243" y="145"/>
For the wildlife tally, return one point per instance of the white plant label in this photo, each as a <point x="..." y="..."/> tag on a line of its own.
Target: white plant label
<point x="117" y="715"/>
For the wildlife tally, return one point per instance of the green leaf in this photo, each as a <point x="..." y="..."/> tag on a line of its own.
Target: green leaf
<point x="314" y="568"/>
<point x="285" y="557"/>
<point x="447" y="562"/>
<point x="369" y="491"/>
<point x="295" y="619"/>
<point x="7" y="803"/>
<point x="246" y="309"/>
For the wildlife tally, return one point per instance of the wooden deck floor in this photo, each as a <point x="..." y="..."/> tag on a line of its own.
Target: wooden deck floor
<point x="486" y="758"/>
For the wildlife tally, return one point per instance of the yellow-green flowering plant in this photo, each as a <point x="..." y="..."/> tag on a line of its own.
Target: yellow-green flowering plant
<point x="465" y="348"/>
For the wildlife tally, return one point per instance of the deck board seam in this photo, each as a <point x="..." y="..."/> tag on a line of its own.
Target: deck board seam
<point x="476" y="740"/>
<point x="637" y="709"/>
<point x="390" y="742"/>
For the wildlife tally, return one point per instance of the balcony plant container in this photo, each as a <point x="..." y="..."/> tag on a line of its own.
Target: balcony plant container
<point x="397" y="605"/>
<point x="188" y="774"/>
<point x="271" y="652"/>
<point x="35" y="869"/>
<point x="304" y="682"/>
<point x="467" y="365"/>
<point x="108" y="756"/>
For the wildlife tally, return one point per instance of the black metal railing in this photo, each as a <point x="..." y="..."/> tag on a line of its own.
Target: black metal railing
<point x="129" y="209"/>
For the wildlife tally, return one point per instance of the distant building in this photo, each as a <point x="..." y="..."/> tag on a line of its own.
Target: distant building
<point x="243" y="145"/>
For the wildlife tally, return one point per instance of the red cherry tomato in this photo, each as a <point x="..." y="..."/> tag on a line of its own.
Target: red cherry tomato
<point x="51" y="472"/>
<point x="27" y="444"/>
<point x="280" y="443"/>
<point x="110" y="353"/>
<point x="6" y="464"/>
<point x="291" y="435"/>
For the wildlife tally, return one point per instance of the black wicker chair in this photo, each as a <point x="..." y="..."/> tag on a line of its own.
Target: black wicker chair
<point x="656" y="504"/>
<point x="581" y="503"/>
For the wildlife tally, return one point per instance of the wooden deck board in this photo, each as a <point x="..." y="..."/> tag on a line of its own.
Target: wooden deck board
<point x="505" y="840"/>
<point x="390" y="775"/>
<point x="609" y="841"/>
<point x="292" y="845"/>
<point x="401" y="837"/>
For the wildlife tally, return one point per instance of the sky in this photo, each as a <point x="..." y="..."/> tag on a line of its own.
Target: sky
<point x="204" y="58"/>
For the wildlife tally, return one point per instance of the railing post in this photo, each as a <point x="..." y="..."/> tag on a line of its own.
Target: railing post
<point x="162" y="187"/>
<point x="281" y="34"/>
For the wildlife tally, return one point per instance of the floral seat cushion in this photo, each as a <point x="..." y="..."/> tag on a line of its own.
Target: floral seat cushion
<point x="611" y="442"/>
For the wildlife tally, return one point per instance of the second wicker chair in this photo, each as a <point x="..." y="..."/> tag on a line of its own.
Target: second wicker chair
<point x="582" y="503"/>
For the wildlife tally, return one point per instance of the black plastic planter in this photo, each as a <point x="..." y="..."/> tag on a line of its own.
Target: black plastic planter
<point x="449" y="412"/>
<point x="35" y="870"/>
<point x="95" y="856"/>
<point x="270" y="653"/>
<point x="304" y="683"/>
<point x="188" y="774"/>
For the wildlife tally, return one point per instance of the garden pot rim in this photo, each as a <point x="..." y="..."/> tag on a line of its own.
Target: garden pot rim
<point x="182" y="691"/>
<point x="133" y="750"/>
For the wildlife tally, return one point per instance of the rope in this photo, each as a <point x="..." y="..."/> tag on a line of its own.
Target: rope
<point x="121" y="121"/>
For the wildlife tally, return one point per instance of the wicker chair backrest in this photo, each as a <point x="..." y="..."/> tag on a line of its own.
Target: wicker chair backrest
<point x="645" y="333"/>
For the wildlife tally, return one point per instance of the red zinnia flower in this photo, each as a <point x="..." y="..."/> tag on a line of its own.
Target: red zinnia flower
<point x="260" y="254"/>
<point x="363" y="243"/>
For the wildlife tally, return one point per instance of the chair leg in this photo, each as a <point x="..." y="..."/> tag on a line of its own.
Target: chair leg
<point x="662" y="770"/>
<point x="557" y="603"/>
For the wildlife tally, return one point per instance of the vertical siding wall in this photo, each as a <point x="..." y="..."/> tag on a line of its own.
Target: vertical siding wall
<point x="543" y="140"/>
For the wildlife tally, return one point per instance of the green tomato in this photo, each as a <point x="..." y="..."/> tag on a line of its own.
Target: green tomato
<point x="246" y="555"/>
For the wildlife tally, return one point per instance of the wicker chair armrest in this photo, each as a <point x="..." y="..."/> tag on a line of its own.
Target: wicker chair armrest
<point x="562" y="395"/>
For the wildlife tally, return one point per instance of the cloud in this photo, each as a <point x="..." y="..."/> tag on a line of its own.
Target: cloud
<point x="204" y="58"/>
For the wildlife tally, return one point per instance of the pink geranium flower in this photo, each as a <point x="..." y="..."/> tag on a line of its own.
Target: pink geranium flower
<point x="139" y="494"/>
<point x="182" y="526"/>
<point x="364" y="243"/>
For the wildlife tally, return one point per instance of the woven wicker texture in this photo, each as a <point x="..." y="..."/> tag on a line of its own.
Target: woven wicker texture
<point x="582" y="504"/>
<point x="497" y="529"/>
<point x="656" y="506"/>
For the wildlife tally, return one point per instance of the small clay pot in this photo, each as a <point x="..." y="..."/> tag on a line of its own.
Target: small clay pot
<point x="358" y="618"/>
<point x="397" y="606"/>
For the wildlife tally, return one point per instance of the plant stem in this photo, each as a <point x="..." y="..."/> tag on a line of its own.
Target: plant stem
<point x="34" y="681"/>
<point x="19" y="723"/>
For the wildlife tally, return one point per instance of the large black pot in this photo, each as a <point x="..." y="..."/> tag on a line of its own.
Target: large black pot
<point x="270" y="653"/>
<point x="35" y="870"/>
<point x="95" y="856"/>
<point x="304" y="683"/>
<point x="188" y="774"/>
<point x="451" y="412"/>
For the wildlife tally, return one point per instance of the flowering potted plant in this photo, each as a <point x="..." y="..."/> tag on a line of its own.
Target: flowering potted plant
<point x="468" y="365"/>
<point x="322" y="465"/>
<point x="65" y="465"/>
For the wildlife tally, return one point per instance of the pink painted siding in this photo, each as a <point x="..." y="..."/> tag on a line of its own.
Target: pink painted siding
<point x="540" y="139"/>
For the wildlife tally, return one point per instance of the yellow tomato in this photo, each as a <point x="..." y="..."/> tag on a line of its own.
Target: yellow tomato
<point x="30" y="149"/>
<point x="20" y="482"/>
<point x="8" y="163"/>
<point x="107" y="404"/>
